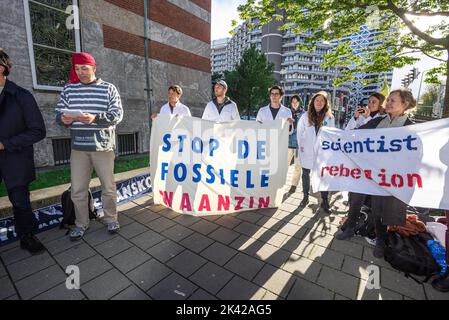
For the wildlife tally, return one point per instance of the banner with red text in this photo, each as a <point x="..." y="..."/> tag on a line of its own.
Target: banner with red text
<point x="410" y="163"/>
<point x="201" y="167"/>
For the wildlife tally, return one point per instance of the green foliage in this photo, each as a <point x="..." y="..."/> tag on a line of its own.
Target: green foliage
<point x="331" y="20"/>
<point x="62" y="176"/>
<point x="249" y="82"/>
<point x="431" y="95"/>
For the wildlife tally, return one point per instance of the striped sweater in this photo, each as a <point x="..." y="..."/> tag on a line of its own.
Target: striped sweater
<point x="100" y="98"/>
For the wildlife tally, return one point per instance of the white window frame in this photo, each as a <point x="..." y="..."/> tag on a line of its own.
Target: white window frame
<point x="31" y="45"/>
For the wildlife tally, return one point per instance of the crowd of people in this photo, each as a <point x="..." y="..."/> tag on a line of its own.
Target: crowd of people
<point x="93" y="143"/>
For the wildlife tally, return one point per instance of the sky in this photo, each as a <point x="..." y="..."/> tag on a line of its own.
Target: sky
<point x="224" y="11"/>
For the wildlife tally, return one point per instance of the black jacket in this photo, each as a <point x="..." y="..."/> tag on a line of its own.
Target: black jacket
<point x="21" y="126"/>
<point x="392" y="211"/>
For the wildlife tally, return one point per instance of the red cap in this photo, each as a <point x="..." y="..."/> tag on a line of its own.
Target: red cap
<point x="80" y="58"/>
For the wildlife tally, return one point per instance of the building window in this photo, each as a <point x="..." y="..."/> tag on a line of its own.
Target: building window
<point x="61" y="151"/>
<point x="53" y="35"/>
<point x="127" y="144"/>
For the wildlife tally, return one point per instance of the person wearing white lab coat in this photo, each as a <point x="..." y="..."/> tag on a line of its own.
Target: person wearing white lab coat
<point x="174" y="106"/>
<point x="275" y="110"/>
<point x="363" y="115"/>
<point x="319" y="114"/>
<point x="221" y="108"/>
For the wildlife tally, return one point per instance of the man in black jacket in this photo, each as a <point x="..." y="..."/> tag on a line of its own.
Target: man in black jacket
<point x="21" y="126"/>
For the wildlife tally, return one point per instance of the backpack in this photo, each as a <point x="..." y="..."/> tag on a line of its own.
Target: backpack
<point x="411" y="255"/>
<point x="365" y="225"/>
<point x="68" y="209"/>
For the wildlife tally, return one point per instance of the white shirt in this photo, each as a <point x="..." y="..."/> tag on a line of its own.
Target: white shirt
<point x="228" y="113"/>
<point x="264" y="114"/>
<point x="179" y="109"/>
<point x="306" y="135"/>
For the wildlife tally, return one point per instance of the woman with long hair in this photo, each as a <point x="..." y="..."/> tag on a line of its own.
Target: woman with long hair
<point x="319" y="114"/>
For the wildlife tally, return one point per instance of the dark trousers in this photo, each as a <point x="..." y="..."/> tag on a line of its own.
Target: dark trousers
<point x="306" y="184"/>
<point x="381" y="231"/>
<point x="356" y="201"/>
<point x="24" y="218"/>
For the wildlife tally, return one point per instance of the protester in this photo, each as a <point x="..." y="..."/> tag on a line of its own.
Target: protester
<point x="356" y="200"/>
<point x="319" y="114"/>
<point x="21" y="126"/>
<point x="221" y="108"/>
<point x="275" y="110"/>
<point x="93" y="139"/>
<point x="297" y="112"/>
<point x="387" y="209"/>
<point x="174" y="106"/>
<point x="373" y="110"/>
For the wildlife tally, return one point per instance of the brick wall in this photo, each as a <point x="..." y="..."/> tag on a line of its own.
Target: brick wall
<point x="133" y="44"/>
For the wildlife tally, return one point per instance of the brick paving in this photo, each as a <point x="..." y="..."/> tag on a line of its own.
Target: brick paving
<point x="283" y="253"/>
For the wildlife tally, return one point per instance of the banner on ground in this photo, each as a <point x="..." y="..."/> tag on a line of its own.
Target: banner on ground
<point x="201" y="167"/>
<point x="410" y="163"/>
<point x="51" y="216"/>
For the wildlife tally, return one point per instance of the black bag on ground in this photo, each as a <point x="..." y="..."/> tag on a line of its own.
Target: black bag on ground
<point x="411" y="255"/>
<point x="365" y="225"/>
<point x="68" y="209"/>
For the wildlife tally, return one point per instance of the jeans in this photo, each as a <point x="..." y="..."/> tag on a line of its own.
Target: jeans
<point x="306" y="184"/>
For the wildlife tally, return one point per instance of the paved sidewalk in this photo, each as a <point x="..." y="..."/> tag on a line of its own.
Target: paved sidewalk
<point x="283" y="253"/>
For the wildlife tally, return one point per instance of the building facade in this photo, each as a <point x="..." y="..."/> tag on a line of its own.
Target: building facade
<point x="219" y="62"/>
<point x="41" y="35"/>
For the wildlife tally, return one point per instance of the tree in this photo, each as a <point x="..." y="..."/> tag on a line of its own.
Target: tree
<point x="431" y="95"/>
<point x="330" y="20"/>
<point x="249" y="82"/>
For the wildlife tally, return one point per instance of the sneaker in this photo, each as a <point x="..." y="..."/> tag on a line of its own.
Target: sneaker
<point x="32" y="244"/>
<point x="113" y="227"/>
<point x="304" y="202"/>
<point x="77" y="233"/>
<point x="347" y="234"/>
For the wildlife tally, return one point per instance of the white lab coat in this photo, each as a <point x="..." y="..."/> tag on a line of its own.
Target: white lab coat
<point x="361" y="120"/>
<point x="179" y="109"/>
<point x="228" y="113"/>
<point x="264" y="114"/>
<point x="307" y="137"/>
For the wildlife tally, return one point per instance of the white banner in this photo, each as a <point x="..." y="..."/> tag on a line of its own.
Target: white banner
<point x="200" y="167"/>
<point x="410" y="163"/>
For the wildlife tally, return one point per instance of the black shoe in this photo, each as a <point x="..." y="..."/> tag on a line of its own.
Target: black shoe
<point x="442" y="283"/>
<point x="292" y="190"/>
<point x="32" y="244"/>
<point x="379" y="249"/>
<point x="325" y="206"/>
<point x="304" y="202"/>
<point x="348" y="233"/>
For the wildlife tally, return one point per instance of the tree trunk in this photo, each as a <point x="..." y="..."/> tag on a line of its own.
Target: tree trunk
<point x="446" y="92"/>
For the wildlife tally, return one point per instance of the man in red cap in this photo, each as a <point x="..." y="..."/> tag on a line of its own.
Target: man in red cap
<point x="91" y="108"/>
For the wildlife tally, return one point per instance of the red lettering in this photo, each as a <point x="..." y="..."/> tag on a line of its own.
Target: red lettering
<point x="185" y="202"/>
<point x="223" y="203"/>
<point x="333" y="171"/>
<point x="204" y="203"/>
<point x="397" y="181"/>
<point x="344" y="171"/>
<point x="355" y="173"/>
<point x="324" y="169"/>
<point x="417" y="177"/>
<point x="251" y="202"/>
<point x="368" y="174"/>
<point x="239" y="203"/>
<point x="264" y="203"/>
<point x="167" y="198"/>
<point x="383" y="179"/>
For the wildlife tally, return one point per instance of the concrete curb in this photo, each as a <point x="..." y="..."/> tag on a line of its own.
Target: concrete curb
<point x="48" y="196"/>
